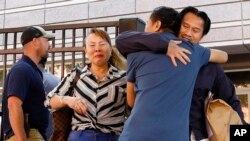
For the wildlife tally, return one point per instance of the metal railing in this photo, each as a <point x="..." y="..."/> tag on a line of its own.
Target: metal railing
<point x="69" y="40"/>
<point x="67" y="47"/>
<point x="245" y="91"/>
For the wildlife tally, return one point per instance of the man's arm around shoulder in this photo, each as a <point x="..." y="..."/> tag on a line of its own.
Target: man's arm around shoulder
<point x="133" y="41"/>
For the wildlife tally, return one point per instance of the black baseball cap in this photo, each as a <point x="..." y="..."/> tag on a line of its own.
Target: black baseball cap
<point x="35" y="32"/>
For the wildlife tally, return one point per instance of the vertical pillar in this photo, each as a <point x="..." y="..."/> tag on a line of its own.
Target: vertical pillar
<point x="134" y="24"/>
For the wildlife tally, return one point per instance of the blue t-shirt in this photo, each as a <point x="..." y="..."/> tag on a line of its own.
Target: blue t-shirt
<point x="163" y="94"/>
<point x="50" y="81"/>
<point x="25" y="82"/>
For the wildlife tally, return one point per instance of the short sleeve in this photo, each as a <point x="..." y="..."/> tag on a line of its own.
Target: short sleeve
<point x="204" y="54"/>
<point x="131" y="68"/>
<point x="18" y="82"/>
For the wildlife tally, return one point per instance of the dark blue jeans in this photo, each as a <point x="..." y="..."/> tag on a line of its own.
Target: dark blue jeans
<point x="49" y="129"/>
<point x="91" y="135"/>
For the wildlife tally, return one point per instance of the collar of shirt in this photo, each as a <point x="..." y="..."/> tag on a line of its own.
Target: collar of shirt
<point x="31" y="63"/>
<point x="112" y="73"/>
<point x="42" y="70"/>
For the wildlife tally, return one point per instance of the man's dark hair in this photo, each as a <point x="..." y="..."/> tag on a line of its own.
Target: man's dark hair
<point x="195" y="11"/>
<point x="166" y="15"/>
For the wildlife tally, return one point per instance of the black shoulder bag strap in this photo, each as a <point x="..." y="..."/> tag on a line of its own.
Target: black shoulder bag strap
<point x="76" y="78"/>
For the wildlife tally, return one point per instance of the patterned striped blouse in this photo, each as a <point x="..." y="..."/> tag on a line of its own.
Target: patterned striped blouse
<point x="105" y="100"/>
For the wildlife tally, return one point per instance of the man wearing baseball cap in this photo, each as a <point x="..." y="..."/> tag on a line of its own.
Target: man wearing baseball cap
<point x="24" y="114"/>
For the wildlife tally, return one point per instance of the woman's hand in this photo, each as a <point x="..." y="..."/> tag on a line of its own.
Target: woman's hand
<point x="77" y="104"/>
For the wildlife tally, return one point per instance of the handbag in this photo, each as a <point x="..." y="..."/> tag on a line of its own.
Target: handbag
<point x="220" y="116"/>
<point x="61" y="118"/>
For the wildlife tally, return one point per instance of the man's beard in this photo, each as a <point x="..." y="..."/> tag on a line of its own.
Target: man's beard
<point x="44" y="59"/>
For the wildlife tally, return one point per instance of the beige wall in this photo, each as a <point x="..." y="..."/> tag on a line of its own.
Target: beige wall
<point x="230" y="18"/>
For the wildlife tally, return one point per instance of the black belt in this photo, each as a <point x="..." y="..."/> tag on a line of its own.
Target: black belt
<point x="93" y="129"/>
<point x="8" y="136"/>
<point x="97" y="130"/>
